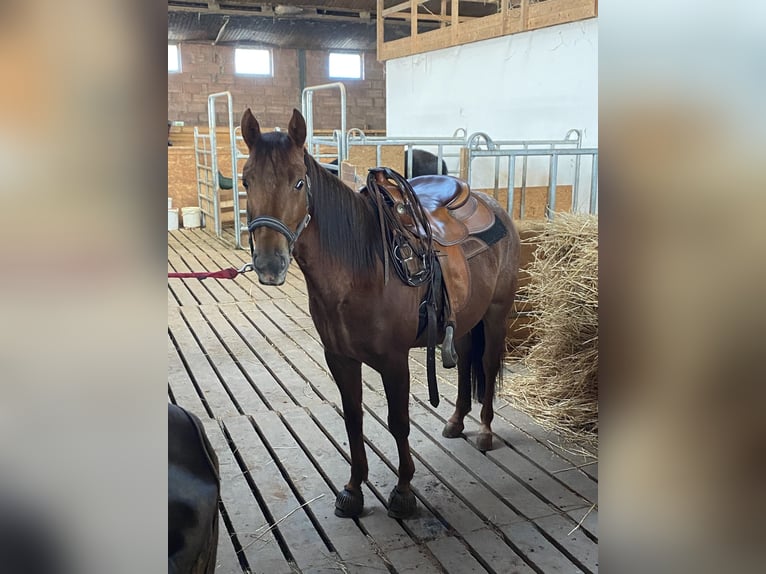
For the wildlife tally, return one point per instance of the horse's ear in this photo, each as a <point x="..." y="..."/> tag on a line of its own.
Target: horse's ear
<point x="251" y="131"/>
<point x="297" y="129"/>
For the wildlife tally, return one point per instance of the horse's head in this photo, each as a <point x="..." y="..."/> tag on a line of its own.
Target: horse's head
<point x="278" y="194"/>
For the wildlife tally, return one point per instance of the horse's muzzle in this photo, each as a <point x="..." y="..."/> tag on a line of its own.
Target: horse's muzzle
<point x="271" y="269"/>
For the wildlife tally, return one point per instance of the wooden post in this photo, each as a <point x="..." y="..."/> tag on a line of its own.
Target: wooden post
<point x="443" y="23"/>
<point x="414" y="24"/>
<point x="379" y="29"/>
<point x="524" y="14"/>
<point x="463" y="164"/>
<point x="455" y="11"/>
<point x="504" y="6"/>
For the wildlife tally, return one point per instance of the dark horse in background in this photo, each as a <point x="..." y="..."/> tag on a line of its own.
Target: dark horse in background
<point x="193" y="494"/>
<point x="296" y="206"/>
<point x="423" y="163"/>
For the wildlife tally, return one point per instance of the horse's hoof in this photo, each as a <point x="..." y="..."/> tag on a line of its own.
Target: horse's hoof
<point x="452" y="430"/>
<point x="484" y="442"/>
<point x="401" y="504"/>
<point x="349" y="504"/>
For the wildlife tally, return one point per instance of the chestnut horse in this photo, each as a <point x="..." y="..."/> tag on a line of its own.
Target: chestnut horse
<point x="295" y="207"/>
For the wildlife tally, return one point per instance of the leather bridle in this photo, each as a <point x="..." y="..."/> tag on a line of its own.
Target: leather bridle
<point x="279" y="225"/>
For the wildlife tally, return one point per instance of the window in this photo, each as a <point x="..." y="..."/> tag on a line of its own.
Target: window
<point x="344" y="65"/>
<point x="174" y="58"/>
<point x="252" y="62"/>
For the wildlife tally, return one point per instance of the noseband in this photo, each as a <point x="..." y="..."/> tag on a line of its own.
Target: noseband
<point x="279" y="225"/>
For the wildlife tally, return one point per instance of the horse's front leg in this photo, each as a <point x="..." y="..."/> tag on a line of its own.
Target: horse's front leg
<point x="396" y="381"/>
<point x="348" y="376"/>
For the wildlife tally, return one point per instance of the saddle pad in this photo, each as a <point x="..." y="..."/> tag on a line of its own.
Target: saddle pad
<point x="480" y="242"/>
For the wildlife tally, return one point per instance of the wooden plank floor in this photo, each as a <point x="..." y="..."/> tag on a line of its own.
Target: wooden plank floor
<point x="247" y="360"/>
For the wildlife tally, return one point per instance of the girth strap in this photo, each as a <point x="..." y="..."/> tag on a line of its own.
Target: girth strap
<point x="435" y="294"/>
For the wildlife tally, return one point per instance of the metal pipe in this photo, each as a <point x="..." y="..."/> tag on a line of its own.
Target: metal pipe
<point x="523" y="199"/>
<point x="534" y="152"/>
<point x="308" y="113"/>
<point x="214" y="159"/>
<point x="576" y="190"/>
<point x="301" y="69"/>
<point x="511" y="183"/>
<point x="238" y="227"/>
<point x="552" y="186"/>
<point x="220" y="31"/>
<point x="593" y="203"/>
<point x="474" y="141"/>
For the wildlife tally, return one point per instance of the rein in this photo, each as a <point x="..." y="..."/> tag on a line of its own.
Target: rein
<point x="411" y="253"/>
<point x="229" y="273"/>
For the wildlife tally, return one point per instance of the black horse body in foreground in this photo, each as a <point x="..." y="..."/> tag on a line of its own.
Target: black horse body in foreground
<point x="193" y="492"/>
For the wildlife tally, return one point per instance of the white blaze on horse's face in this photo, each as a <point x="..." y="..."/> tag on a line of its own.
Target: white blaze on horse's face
<point x="277" y="200"/>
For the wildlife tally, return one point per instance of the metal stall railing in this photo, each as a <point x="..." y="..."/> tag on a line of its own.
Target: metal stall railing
<point x="335" y="141"/>
<point x="515" y="151"/>
<point x="446" y="147"/>
<point x="207" y="192"/>
<point x="208" y="180"/>
<point x="336" y="145"/>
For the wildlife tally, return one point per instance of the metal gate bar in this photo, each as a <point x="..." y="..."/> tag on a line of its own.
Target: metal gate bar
<point x="555" y="155"/>
<point x="337" y="139"/>
<point x="208" y="181"/>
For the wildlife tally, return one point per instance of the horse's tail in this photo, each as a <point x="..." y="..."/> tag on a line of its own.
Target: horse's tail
<point x="478" y="379"/>
<point x="478" y="376"/>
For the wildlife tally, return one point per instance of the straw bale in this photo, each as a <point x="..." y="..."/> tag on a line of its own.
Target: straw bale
<point x="560" y="386"/>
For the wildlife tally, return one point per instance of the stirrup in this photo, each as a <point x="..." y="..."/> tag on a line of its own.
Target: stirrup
<point x="449" y="355"/>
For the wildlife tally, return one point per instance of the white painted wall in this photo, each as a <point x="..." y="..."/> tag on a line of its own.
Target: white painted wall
<point x="533" y="85"/>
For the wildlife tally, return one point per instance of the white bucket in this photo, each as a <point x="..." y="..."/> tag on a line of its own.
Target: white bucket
<point x="192" y="216"/>
<point x="172" y="219"/>
<point x="170" y="203"/>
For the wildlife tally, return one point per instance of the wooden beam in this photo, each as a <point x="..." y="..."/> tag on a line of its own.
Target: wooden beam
<point x="402" y="6"/>
<point x="429" y="17"/>
<point x="508" y="20"/>
<point x="524" y="14"/>
<point x="455" y="11"/>
<point x="443" y="13"/>
<point x="266" y="12"/>
<point x="379" y="28"/>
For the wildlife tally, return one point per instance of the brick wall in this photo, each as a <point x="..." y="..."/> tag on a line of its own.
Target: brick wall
<point x="207" y="69"/>
<point x="366" y="99"/>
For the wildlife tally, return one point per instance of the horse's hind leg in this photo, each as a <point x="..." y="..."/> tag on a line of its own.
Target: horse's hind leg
<point x="348" y="376"/>
<point x="495" y="329"/>
<point x="396" y="381"/>
<point x="454" y="426"/>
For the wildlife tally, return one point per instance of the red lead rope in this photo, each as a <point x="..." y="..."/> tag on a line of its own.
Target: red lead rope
<point x="229" y="273"/>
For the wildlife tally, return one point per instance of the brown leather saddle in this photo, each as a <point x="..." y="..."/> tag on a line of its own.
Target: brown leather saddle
<point x="426" y="224"/>
<point x="455" y="215"/>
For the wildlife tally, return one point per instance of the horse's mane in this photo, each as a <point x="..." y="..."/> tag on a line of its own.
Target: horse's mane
<point x="346" y="222"/>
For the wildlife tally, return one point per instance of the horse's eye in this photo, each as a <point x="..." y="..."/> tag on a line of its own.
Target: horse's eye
<point x="244" y="182"/>
<point x="299" y="185"/>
